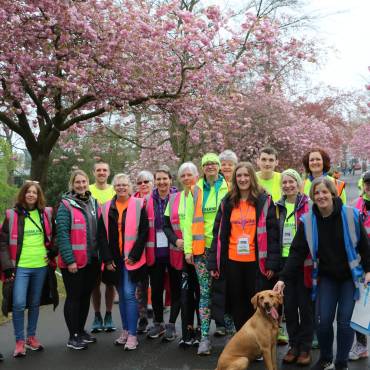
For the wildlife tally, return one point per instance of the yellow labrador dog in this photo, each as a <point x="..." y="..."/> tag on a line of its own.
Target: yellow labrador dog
<point x="257" y="336"/>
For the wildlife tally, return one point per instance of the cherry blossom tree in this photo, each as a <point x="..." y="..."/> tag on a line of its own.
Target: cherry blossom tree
<point x="70" y="62"/>
<point x="360" y="143"/>
<point x="178" y="78"/>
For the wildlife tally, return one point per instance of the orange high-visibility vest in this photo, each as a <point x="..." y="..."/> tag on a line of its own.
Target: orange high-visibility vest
<point x="197" y="227"/>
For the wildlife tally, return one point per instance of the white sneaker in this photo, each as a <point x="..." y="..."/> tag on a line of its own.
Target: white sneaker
<point x="204" y="348"/>
<point x="358" y="351"/>
<point x="122" y="339"/>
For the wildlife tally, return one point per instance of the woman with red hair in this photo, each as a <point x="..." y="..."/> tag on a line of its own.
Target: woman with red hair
<point x="316" y="163"/>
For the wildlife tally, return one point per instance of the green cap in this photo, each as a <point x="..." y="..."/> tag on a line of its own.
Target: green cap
<point x="210" y="157"/>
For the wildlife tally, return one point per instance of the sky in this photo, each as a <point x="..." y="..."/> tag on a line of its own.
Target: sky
<point x="343" y="26"/>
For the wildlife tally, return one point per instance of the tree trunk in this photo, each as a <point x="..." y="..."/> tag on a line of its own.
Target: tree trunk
<point x="39" y="169"/>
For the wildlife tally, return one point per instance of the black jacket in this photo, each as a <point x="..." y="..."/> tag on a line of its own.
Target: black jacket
<point x="110" y="251"/>
<point x="332" y="256"/>
<point x="301" y="200"/>
<point x="168" y="230"/>
<point x="272" y="227"/>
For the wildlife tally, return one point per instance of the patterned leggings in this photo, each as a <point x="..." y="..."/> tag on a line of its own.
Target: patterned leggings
<point x="229" y="324"/>
<point x="204" y="279"/>
<point x="142" y="297"/>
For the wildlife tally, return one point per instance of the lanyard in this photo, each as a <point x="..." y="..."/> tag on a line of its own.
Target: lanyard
<point x="93" y="210"/>
<point x="27" y="214"/>
<point x="243" y="221"/>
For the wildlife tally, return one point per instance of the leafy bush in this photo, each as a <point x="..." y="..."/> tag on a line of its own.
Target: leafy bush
<point x="7" y="198"/>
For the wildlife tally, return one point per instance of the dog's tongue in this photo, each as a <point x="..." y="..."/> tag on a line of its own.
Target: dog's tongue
<point x="274" y="313"/>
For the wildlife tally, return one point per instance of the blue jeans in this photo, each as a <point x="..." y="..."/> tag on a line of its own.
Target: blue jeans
<point x="128" y="306"/>
<point x="27" y="291"/>
<point x="333" y="293"/>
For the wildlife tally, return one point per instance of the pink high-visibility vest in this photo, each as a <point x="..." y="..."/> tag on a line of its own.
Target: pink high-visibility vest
<point x="308" y="263"/>
<point x="12" y="217"/>
<point x="262" y="236"/>
<point x="150" y="244"/>
<point x="361" y="206"/>
<point x="78" y="236"/>
<point x="176" y="254"/>
<point x="132" y="222"/>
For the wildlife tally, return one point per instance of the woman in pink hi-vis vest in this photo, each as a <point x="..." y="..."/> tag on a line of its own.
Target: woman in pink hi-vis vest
<point x="77" y="219"/>
<point x="26" y="250"/>
<point x="144" y="186"/>
<point x="298" y="306"/>
<point x="158" y="254"/>
<point x="122" y="231"/>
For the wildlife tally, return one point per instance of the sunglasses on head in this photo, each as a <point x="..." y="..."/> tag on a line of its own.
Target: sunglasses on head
<point x="33" y="181"/>
<point x="143" y="182"/>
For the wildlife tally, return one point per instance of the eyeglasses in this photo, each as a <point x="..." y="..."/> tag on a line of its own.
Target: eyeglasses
<point x="143" y="182"/>
<point x="209" y="164"/>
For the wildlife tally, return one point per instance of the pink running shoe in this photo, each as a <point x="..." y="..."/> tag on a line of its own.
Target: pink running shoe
<point x="33" y="344"/>
<point x="131" y="343"/>
<point x="121" y="341"/>
<point x="20" y="349"/>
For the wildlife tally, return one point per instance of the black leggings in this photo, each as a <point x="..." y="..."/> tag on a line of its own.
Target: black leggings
<point x="240" y="288"/>
<point x="79" y="287"/>
<point x="157" y="275"/>
<point x="190" y="294"/>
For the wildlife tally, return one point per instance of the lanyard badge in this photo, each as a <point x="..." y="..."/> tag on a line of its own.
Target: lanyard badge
<point x="243" y="247"/>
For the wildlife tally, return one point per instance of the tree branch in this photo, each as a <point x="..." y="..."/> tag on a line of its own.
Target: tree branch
<point x="165" y="94"/>
<point x="80" y="118"/>
<point x="40" y="108"/>
<point x="10" y="123"/>
<point x="116" y="134"/>
<point x="78" y="104"/>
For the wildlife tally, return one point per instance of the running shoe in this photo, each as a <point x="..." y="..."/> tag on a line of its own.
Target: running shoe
<point x="97" y="325"/>
<point x="131" y="343"/>
<point x="358" y="351"/>
<point x="156" y="330"/>
<point x="108" y="323"/>
<point x="170" y="333"/>
<point x="204" y="348"/>
<point x="20" y="348"/>
<point x="33" y="344"/>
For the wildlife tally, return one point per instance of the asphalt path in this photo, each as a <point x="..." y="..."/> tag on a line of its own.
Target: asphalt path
<point x="150" y="355"/>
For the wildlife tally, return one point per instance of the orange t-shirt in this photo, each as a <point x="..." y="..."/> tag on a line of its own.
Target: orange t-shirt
<point x="121" y="207"/>
<point x="243" y="232"/>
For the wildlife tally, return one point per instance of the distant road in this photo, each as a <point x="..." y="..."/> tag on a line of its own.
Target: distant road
<point x="352" y="190"/>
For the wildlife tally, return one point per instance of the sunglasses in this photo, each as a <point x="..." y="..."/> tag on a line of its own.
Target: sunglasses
<point x="31" y="181"/>
<point x="143" y="182"/>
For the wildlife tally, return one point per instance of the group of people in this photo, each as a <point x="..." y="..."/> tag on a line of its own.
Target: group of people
<point x="229" y="233"/>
